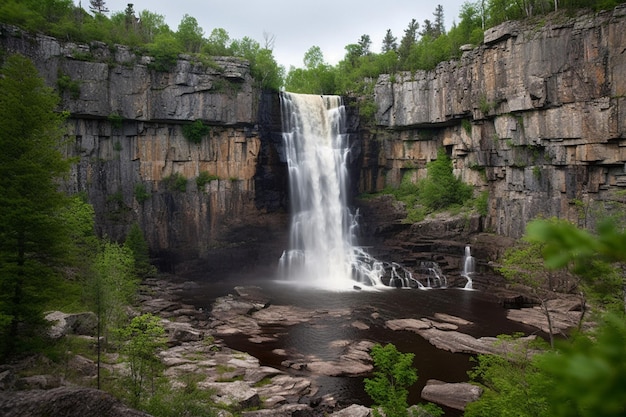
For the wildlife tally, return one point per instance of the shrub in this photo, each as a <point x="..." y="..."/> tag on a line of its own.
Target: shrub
<point x="141" y="193"/>
<point x="65" y="83"/>
<point x="393" y="375"/>
<point x="176" y="182"/>
<point x="205" y="178"/>
<point x="441" y="189"/>
<point x="195" y="131"/>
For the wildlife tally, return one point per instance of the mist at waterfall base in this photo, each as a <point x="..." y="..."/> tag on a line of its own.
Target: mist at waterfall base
<point x="322" y="243"/>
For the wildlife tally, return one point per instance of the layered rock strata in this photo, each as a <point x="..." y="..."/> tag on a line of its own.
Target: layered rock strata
<point x="534" y="116"/>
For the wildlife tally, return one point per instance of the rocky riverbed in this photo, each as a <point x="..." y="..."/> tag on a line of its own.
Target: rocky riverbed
<point x="239" y="381"/>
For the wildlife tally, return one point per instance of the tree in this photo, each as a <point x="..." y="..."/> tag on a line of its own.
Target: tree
<point x="98" y="6"/>
<point x="136" y="242"/>
<point x="585" y="254"/>
<point x="110" y="288"/>
<point x="439" y="24"/>
<point x="142" y="340"/>
<point x="408" y="40"/>
<point x="514" y="385"/>
<point x="393" y="375"/>
<point x="389" y="42"/>
<point x="218" y="43"/>
<point x="190" y="34"/>
<point x="441" y="188"/>
<point x="33" y="236"/>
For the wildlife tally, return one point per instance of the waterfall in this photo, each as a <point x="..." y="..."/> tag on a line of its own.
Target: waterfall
<point x="468" y="267"/>
<point x="322" y="243"/>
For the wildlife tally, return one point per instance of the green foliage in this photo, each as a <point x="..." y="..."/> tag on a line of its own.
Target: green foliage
<point x="482" y="203"/>
<point x="204" y="178"/>
<point x="143" y="338"/>
<point x="141" y="193"/>
<point x="176" y="182"/>
<point x="187" y="401"/>
<point x="111" y="287"/>
<point x="589" y="374"/>
<point x="393" y="375"/>
<point x="195" y="131"/>
<point x="441" y="189"/>
<point x="65" y="83"/>
<point x="33" y="236"/>
<point x="511" y="380"/>
<point x="116" y="120"/>
<point x="136" y="242"/>
<point x="596" y="259"/>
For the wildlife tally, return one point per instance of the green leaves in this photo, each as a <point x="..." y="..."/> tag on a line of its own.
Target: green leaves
<point x="393" y="375"/>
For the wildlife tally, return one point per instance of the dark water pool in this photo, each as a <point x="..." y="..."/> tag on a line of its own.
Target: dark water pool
<point x="317" y="336"/>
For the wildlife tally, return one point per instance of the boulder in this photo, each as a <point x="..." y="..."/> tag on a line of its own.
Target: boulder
<point x="78" y="323"/>
<point x="64" y="401"/>
<point x="237" y="394"/>
<point x="454" y="395"/>
<point x="354" y="410"/>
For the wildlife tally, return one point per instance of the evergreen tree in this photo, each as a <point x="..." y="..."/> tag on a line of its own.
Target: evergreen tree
<point x="408" y="40"/>
<point x="98" y="6"/>
<point x="32" y="232"/>
<point x="439" y="26"/>
<point x="389" y="42"/>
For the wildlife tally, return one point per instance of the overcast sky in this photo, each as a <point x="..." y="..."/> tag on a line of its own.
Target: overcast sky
<point x="297" y="25"/>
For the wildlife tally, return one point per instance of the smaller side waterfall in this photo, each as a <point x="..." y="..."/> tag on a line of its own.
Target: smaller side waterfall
<point x="469" y="267"/>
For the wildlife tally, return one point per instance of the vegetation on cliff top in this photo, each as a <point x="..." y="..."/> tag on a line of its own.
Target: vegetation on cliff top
<point x="421" y="47"/>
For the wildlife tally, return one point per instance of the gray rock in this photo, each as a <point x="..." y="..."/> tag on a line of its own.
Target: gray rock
<point x="76" y="323"/>
<point x="354" y="410"/>
<point x="453" y="395"/>
<point x="64" y="401"/>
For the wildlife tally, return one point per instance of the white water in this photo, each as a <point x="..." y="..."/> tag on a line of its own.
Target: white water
<point x="322" y="245"/>
<point x="321" y="250"/>
<point x="469" y="268"/>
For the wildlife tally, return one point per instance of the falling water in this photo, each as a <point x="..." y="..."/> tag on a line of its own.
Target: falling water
<point x="468" y="267"/>
<point x="322" y="249"/>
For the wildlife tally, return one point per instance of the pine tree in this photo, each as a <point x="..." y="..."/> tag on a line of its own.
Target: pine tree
<point x="32" y="231"/>
<point x="408" y="40"/>
<point x="389" y="42"/>
<point x="98" y="6"/>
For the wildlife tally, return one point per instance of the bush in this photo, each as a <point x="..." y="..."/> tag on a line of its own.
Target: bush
<point x="176" y="182"/>
<point x="441" y="189"/>
<point x="195" y="131"/>
<point x="205" y="178"/>
<point x="141" y="193"/>
<point x="393" y="375"/>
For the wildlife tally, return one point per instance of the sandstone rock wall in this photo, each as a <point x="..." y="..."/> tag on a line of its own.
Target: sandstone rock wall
<point x="126" y="131"/>
<point x="535" y="116"/>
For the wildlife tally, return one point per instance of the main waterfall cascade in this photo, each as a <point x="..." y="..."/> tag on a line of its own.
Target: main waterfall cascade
<point x="322" y="249"/>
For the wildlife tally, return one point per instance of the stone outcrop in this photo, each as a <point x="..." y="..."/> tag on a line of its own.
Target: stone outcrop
<point x="127" y="114"/>
<point x="535" y="116"/>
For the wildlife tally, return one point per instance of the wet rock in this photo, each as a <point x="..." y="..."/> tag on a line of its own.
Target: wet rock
<point x="407" y="324"/>
<point x="453" y="395"/>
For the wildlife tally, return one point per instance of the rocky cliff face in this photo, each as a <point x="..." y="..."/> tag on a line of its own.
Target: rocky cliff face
<point x="135" y="164"/>
<point x="535" y="116"/>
